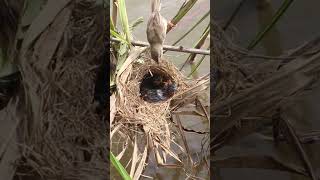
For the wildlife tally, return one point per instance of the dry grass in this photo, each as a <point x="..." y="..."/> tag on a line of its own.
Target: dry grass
<point x="251" y="92"/>
<point x="148" y="125"/>
<point x="60" y="136"/>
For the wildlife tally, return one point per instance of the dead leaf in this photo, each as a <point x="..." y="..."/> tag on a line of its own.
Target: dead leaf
<point x="43" y="20"/>
<point x="113" y="108"/>
<point x="141" y="164"/>
<point x="48" y="42"/>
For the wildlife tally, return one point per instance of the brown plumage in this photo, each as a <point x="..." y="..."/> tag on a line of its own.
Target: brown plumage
<point x="156" y="31"/>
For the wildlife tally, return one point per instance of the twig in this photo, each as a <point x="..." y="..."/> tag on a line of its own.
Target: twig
<point x="168" y="48"/>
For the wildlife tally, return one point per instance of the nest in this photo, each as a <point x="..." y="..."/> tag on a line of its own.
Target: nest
<point x="147" y="123"/>
<point x="133" y="109"/>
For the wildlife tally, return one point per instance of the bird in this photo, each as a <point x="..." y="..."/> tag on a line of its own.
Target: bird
<point x="169" y="88"/>
<point x="156" y="31"/>
<point x="157" y="94"/>
<point x="153" y="95"/>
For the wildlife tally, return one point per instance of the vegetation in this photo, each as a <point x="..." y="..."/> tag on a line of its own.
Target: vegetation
<point x="125" y="123"/>
<point x="256" y="96"/>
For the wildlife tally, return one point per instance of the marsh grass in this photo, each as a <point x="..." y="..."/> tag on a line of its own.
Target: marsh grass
<point x="55" y="133"/>
<point x="251" y="97"/>
<point x="149" y="128"/>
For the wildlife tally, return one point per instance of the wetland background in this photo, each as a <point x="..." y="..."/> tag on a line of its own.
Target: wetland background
<point x="296" y="26"/>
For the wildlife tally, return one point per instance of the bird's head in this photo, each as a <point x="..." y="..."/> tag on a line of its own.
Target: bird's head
<point x="156" y="52"/>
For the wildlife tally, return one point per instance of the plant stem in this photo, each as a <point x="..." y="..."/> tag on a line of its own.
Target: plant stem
<point x="197" y="65"/>
<point x="275" y="19"/>
<point x="235" y="12"/>
<point x="197" y="46"/>
<point x="114" y="13"/>
<point x="182" y="12"/>
<point x="168" y="48"/>
<point x="191" y="29"/>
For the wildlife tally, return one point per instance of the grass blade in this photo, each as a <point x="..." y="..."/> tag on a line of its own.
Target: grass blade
<point x="198" y="45"/>
<point x="182" y="11"/>
<point x="136" y="23"/>
<point x="195" y="68"/>
<point x="233" y="15"/>
<point x="112" y="27"/>
<point x="121" y="170"/>
<point x="275" y="19"/>
<point x="124" y="19"/>
<point x="191" y="29"/>
<point x="118" y="36"/>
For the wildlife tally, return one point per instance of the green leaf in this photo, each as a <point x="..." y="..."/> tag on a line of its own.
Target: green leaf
<point x="193" y="27"/>
<point x="195" y="68"/>
<point x="122" y="54"/>
<point x="121" y="170"/>
<point x="198" y="45"/>
<point x="124" y="19"/>
<point x="275" y="19"/>
<point x="136" y="23"/>
<point x="112" y="27"/>
<point x="183" y="11"/>
<point x="118" y="36"/>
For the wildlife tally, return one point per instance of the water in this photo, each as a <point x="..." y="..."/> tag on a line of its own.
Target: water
<point x="141" y="8"/>
<point x="298" y="25"/>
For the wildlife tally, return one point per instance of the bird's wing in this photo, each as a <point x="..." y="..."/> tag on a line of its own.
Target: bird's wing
<point x="155" y="29"/>
<point x="161" y="28"/>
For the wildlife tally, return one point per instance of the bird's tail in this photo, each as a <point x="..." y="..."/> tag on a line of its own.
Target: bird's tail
<point x="155" y="5"/>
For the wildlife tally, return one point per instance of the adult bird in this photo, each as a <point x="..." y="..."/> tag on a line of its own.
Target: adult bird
<point x="156" y="30"/>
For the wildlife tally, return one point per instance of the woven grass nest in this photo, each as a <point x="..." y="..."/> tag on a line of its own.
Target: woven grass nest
<point x="134" y="109"/>
<point x="150" y="118"/>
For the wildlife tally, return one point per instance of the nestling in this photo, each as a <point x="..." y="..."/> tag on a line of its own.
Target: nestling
<point x="156" y="30"/>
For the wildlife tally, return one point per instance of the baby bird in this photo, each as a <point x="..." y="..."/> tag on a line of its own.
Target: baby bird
<point x="156" y="31"/>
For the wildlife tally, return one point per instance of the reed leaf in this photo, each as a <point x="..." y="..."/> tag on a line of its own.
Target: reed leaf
<point x="233" y="15"/>
<point x="182" y="12"/>
<point x="122" y="54"/>
<point x="136" y="23"/>
<point x="191" y="29"/>
<point x="124" y="19"/>
<point x="275" y="19"/>
<point x="198" y="45"/>
<point x="195" y="68"/>
<point x="118" y="36"/>
<point x="112" y="27"/>
<point x="121" y="170"/>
